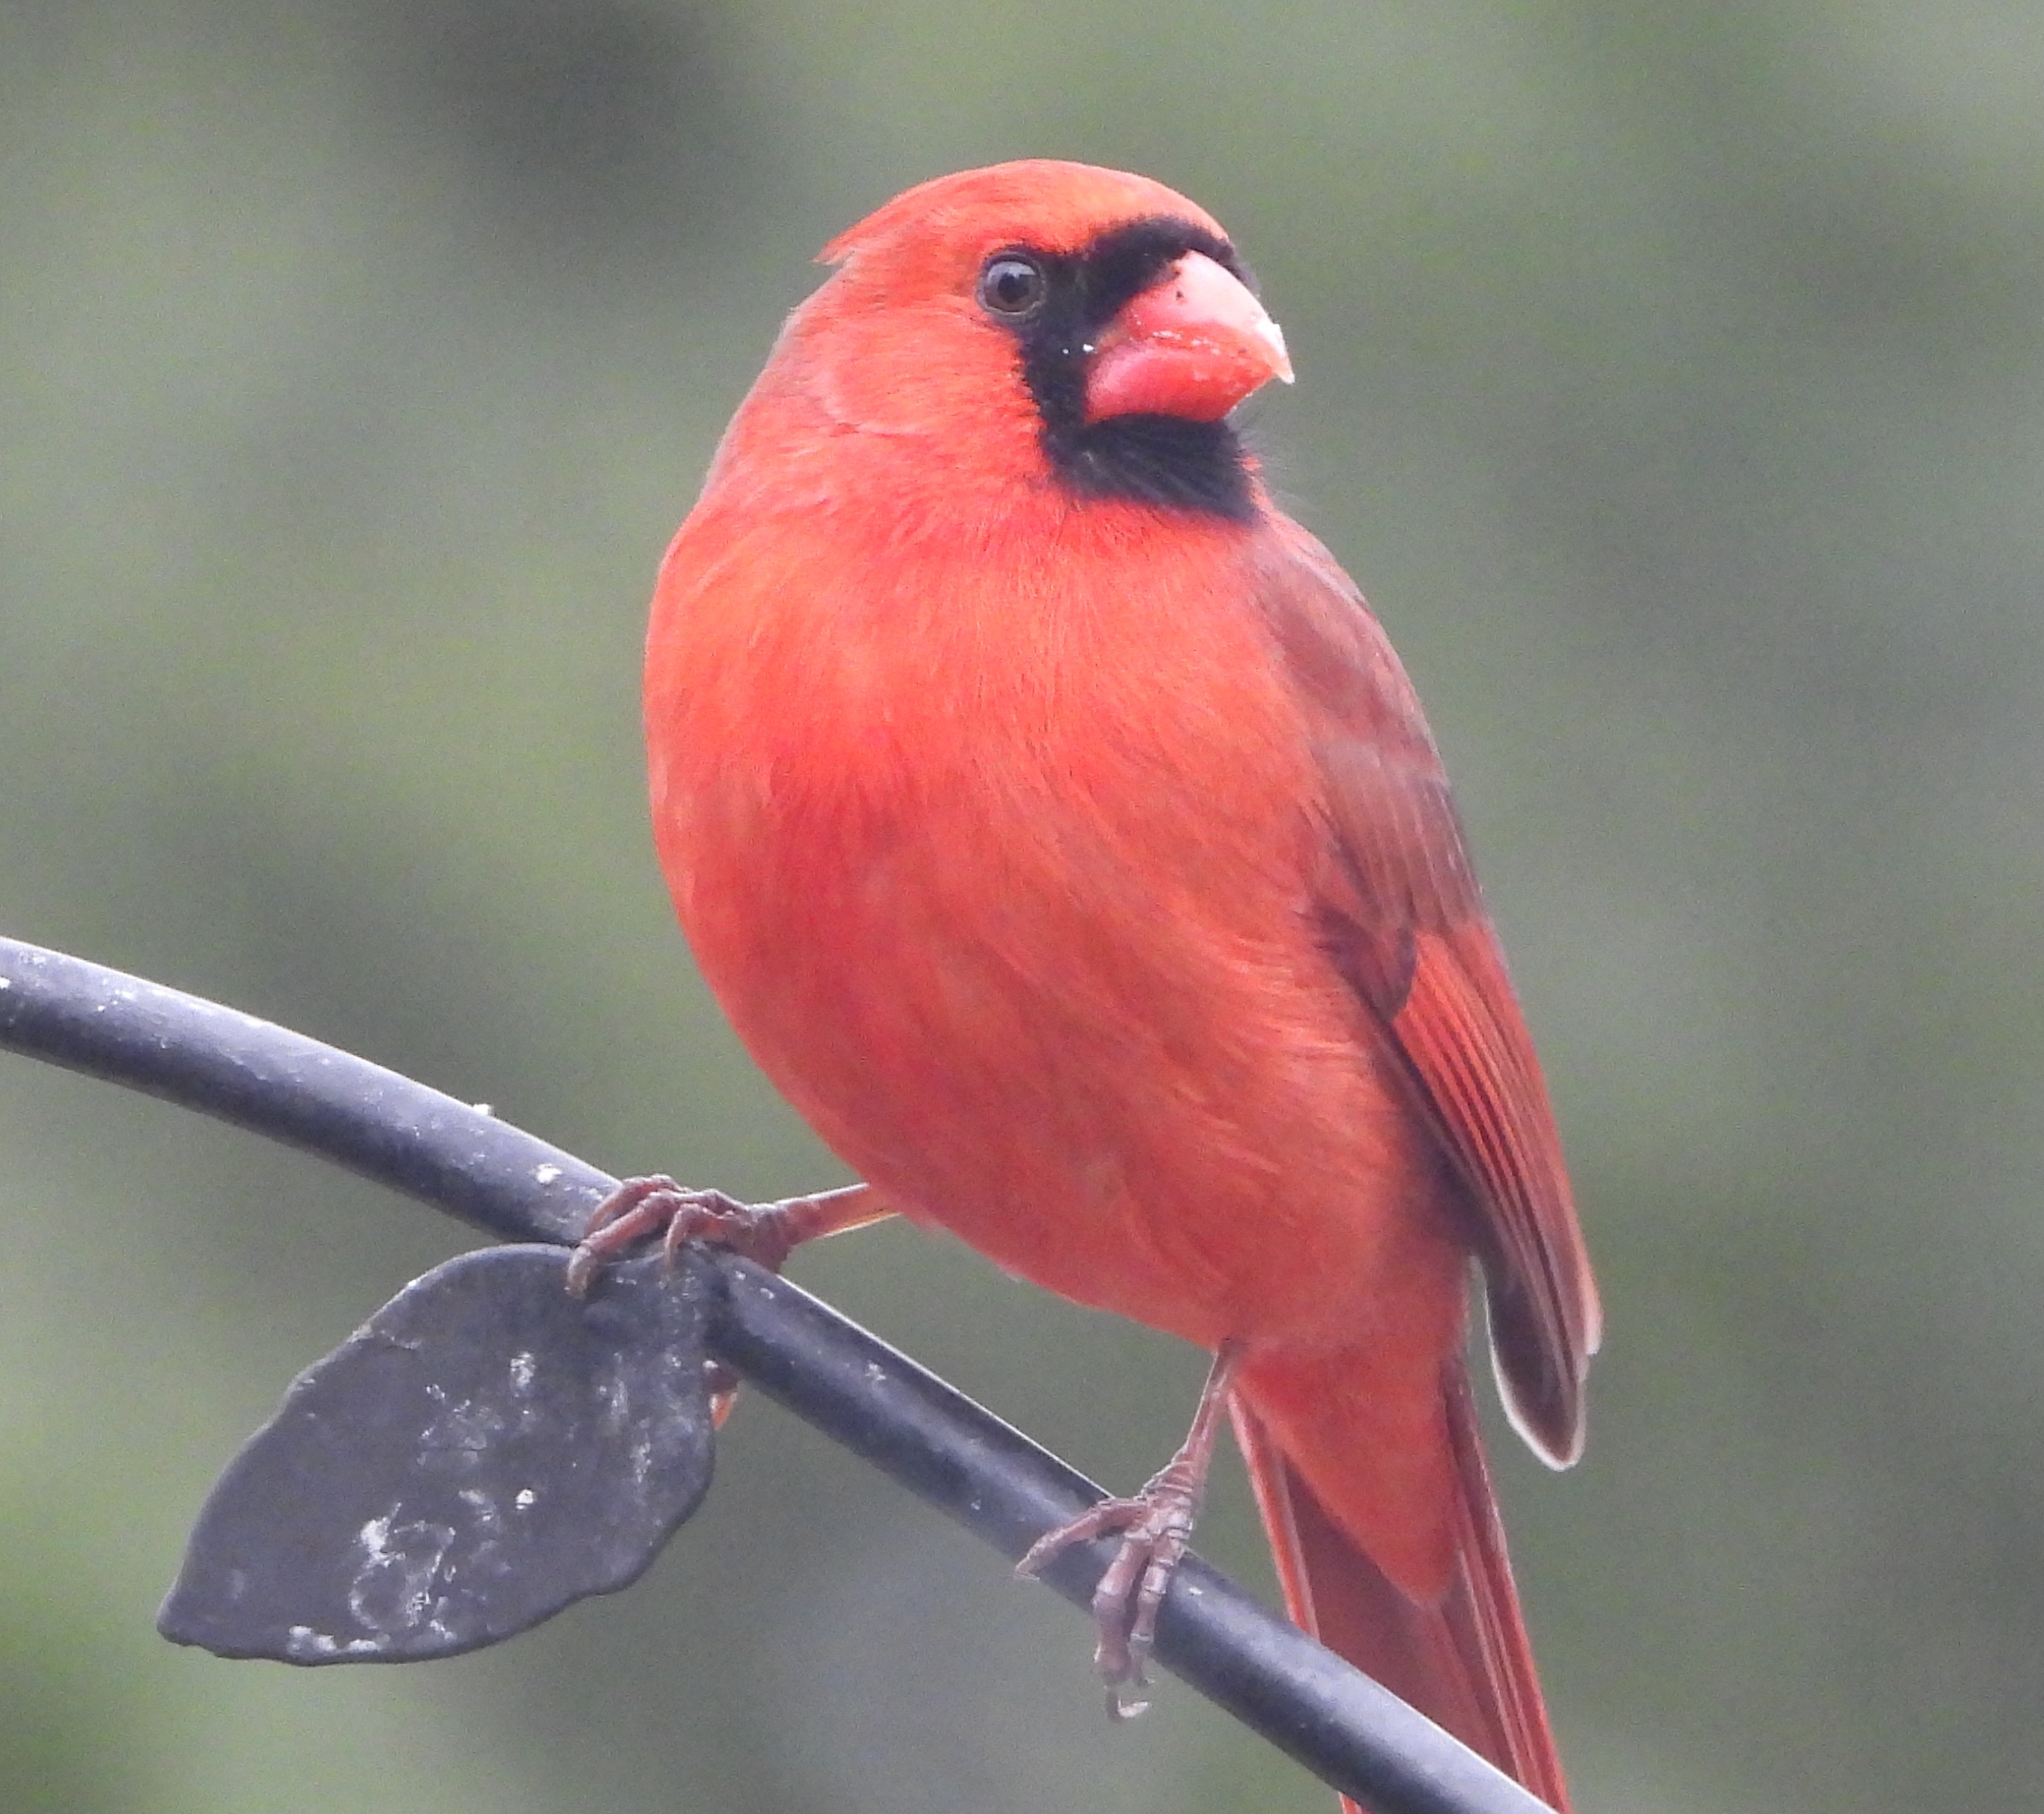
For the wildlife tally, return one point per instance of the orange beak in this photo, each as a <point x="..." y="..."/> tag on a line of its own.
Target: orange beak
<point x="1193" y="345"/>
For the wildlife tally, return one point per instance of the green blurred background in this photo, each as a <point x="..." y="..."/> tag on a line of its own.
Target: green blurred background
<point x="1671" y="376"/>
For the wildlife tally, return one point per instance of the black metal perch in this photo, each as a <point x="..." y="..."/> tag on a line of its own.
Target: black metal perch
<point x="463" y="1392"/>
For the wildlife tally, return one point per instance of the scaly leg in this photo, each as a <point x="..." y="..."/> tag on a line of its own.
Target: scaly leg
<point x="1156" y="1527"/>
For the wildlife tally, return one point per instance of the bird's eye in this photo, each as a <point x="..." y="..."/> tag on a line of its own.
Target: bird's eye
<point x="1012" y="286"/>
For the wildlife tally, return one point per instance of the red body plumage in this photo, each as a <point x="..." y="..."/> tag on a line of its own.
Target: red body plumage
<point x="1078" y="863"/>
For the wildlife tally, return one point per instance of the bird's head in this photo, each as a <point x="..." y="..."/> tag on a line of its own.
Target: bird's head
<point x="1092" y="327"/>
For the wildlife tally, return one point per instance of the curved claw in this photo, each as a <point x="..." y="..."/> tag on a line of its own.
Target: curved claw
<point x="1156" y="1528"/>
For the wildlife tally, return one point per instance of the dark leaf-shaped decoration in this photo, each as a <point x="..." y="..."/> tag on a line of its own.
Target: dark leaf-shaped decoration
<point x="484" y="1452"/>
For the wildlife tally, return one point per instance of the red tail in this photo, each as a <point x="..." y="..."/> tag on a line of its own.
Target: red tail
<point x="1463" y="1659"/>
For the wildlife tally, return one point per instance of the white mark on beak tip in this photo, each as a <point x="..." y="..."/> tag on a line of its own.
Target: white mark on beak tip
<point x="1276" y="336"/>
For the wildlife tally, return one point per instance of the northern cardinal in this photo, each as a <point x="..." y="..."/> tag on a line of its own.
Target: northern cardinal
<point x="1064" y="838"/>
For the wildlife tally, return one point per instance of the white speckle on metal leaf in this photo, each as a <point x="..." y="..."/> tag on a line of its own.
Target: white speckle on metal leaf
<point x="461" y="1434"/>
<point x="394" y="1589"/>
<point x="483" y="1108"/>
<point x="525" y="1499"/>
<point x="523" y="1370"/>
<point x="545" y="1174"/>
<point x="303" y="1641"/>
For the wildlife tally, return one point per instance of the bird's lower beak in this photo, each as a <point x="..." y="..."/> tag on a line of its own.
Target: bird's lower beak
<point x="1193" y="345"/>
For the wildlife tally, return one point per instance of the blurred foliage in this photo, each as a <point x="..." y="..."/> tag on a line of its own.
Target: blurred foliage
<point x="1673" y="379"/>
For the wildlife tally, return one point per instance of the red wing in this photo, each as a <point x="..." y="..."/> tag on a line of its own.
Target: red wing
<point x="1404" y="922"/>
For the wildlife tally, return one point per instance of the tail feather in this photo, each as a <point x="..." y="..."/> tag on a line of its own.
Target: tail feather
<point x="1464" y="1660"/>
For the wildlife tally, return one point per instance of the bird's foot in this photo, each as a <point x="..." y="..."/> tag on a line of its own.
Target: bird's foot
<point x="642" y="1208"/>
<point x="1156" y="1529"/>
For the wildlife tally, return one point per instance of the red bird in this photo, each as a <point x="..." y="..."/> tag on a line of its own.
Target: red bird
<point x="1064" y="838"/>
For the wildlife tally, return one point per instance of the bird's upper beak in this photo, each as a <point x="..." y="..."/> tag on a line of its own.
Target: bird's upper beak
<point x="1193" y="345"/>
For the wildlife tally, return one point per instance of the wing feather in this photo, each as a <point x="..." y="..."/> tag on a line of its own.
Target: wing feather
<point x="1403" y="919"/>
